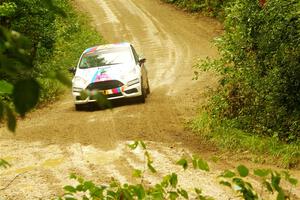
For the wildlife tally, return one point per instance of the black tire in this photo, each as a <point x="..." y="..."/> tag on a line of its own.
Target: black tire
<point x="142" y="98"/>
<point x="148" y="87"/>
<point x="79" y="107"/>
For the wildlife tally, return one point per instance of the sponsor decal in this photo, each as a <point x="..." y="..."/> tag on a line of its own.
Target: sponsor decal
<point x="90" y="50"/>
<point x="114" y="91"/>
<point x="101" y="75"/>
<point x="106" y="92"/>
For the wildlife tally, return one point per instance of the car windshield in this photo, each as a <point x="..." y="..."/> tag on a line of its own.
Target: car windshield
<point x="106" y="57"/>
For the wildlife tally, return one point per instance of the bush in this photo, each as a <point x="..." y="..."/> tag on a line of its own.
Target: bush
<point x="212" y="7"/>
<point x="56" y="34"/>
<point x="260" y="53"/>
<point x="73" y="35"/>
<point x="39" y="40"/>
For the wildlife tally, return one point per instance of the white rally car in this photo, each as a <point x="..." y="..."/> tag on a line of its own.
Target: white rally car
<point x="115" y="70"/>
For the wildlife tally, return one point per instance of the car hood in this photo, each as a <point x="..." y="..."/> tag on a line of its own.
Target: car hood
<point x="121" y="72"/>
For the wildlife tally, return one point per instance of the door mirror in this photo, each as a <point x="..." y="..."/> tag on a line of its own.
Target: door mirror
<point x="72" y="70"/>
<point x="142" y="60"/>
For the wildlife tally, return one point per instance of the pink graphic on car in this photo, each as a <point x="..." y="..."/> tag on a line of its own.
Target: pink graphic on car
<point x="101" y="75"/>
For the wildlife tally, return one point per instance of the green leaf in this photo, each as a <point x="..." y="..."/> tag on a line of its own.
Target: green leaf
<point x="149" y="159"/>
<point x="80" y="188"/>
<point x="261" y="172"/>
<point x="11" y="119"/>
<point x="88" y="185"/>
<point x="96" y="192"/>
<point x="203" y="165"/>
<point x="238" y="181"/>
<point x="183" y="193"/>
<point x="173" y="195"/>
<point x="183" y="162"/>
<point x="102" y="100"/>
<point x="137" y="173"/>
<point x="5" y="87"/>
<point x="195" y="161"/>
<point x="143" y="145"/>
<point x="73" y="176"/>
<point x="151" y="168"/>
<point x="268" y="186"/>
<point x="198" y="191"/>
<point x="26" y="95"/>
<point x="70" y="198"/>
<point x="173" y="180"/>
<point x="114" y="184"/>
<point x="275" y="181"/>
<point x="133" y="145"/>
<point x="280" y="195"/>
<point x="139" y="191"/>
<point x="293" y="181"/>
<point x="228" y="174"/>
<point x="166" y="180"/>
<point x="125" y="194"/>
<point x="85" y="198"/>
<point x="4" y="163"/>
<point x="70" y="189"/>
<point x="225" y="183"/>
<point x="243" y="171"/>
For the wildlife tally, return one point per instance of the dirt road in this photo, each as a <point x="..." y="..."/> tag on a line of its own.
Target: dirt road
<point x="55" y="141"/>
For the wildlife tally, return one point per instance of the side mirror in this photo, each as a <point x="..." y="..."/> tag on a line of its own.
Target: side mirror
<point x="72" y="70"/>
<point x="142" y="60"/>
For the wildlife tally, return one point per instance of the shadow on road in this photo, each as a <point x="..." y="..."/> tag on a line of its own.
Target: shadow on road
<point x="91" y="107"/>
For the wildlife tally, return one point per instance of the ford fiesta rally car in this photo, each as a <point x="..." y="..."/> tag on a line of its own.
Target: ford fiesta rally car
<point x="114" y="70"/>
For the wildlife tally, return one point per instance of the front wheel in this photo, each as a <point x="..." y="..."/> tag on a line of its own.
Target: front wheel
<point x="148" y="87"/>
<point x="142" y="98"/>
<point x="79" y="107"/>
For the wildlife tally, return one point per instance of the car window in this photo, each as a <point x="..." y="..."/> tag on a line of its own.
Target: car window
<point x="106" y="57"/>
<point x="135" y="55"/>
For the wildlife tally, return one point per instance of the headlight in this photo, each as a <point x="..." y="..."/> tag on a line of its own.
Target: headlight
<point x="78" y="81"/>
<point x="132" y="82"/>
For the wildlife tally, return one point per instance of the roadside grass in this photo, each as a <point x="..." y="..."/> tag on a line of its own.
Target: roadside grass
<point x="213" y="8"/>
<point x="261" y="149"/>
<point x="73" y="36"/>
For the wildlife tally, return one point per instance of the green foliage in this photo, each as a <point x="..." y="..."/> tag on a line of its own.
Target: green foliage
<point x="270" y="182"/>
<point x="261" y="149"/>
<point x="73" y="35"/>
<point x="169" y="188"/>
<point x="260" y="68"/>
<point x="259" y="87"/>
<point x="39" y="40"/>
<point x="25" y="95"/>
<point x="199" y="163"/>
<point x="183" y="162"/>
<point x="4" y="163"/>
<point x="7" y="9"/>
<point x="19" y="86"/>
<point x="243" y="171"/>
<point x="212" y="7"/>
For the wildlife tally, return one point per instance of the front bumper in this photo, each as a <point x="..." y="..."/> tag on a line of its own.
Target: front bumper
<point x="115" y="93"/>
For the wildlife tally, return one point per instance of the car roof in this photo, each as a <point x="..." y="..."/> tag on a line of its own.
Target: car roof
<point x="107" y="46"/>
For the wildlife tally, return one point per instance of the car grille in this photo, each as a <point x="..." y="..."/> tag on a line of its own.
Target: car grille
<point x="105" y="85"/>
<point x="108" y="96"/>
<point x="114" y="95"/>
